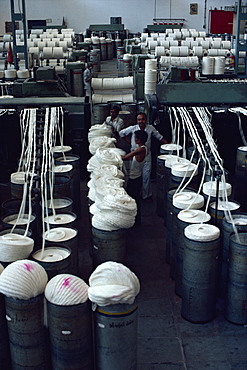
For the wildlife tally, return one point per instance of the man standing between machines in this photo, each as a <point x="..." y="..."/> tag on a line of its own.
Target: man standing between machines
<point x="151" y="131"/>
<point x="87" y="77"/>
<point x="114" y="120"/>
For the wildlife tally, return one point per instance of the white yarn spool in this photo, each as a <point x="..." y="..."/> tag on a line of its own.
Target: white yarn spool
<point x="165" y="43"/>
<point x="165" y="61"/>
<point x="128" y="98"/>
<point x="30" y="44"/>
<point x="173" y="43"/>
<point x="219" y="65"/>
<point x="207" y="65"/>
<point x="64" y="45"/>
<point x="159" y="51"/>
<point x="212" y="52"/>
<point x="174" y="51"/>
<point x="193" y="43"/>
<point x="33" y="36"/>
<point x="144" y="36"/>
<point x="51" y="43"/>
<point x="15" y="219"/>
<point x="203" y="233"/>
<point x="202" y="33"/>
<point x="63" y="168"/>
<point x="175" y="61"/>
<point x="23" y="279"/>
<point x="47" y="52"/>
<point x="186" y="43"/>
<point x="10" y="74"/>
<point x="222" y="52"/>
<point x="199" y="40"/>
<point x="15" y="247"/>
<point x="184" y="51"/>
<point x="58" y="52"/>
<point x="113" y="283"/>
<point x="2" y="74"/>
<point x="23" y="73"/>
<point x="198" y="51"/>
<point x="108" y="83"/>
<point x="169" y="30"/>
<point x="193" y="216"/>
<point x="175" y="159"/>
<point x="97" y="83"/>
<point x="193" y="61"/>
<point x="226" y="44"/>
<point x="205" y="44"/>
<point x="150" y="75"/>
<point x="150" y="64"/>
<point x="185" y="33"/>
<point x="216" y="44"/>
<point x="225" y="206"/>
<point x="184" y="200"/>
<point x="69" y="41"/>
<point x="194" y="34"/>
<point x="66" y="290"/>
<point x="41" y="45"/>
<point x="7" y="38"/>
<point x="178" y="35"/>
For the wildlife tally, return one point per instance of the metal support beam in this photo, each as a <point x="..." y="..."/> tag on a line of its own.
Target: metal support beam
<point x="19" y="17"/>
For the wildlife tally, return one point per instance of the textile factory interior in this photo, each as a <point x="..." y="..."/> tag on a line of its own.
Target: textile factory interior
<point x="113" y="260"/>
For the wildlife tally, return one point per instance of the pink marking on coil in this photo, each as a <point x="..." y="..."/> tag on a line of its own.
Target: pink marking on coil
<point x="28" y="266"/>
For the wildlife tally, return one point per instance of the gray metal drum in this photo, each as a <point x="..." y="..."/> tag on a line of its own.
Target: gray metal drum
<point x="9" y="221"/>
<point x="218" y="214"/>
<point x="27" y="335"/>
<point x="108" y="245"/>
<point x="236" y="308"/>
<point x="126" y="117"/>
<point x="132" y="108"/>
<point x="110" y="49"/>
<point x="77" y="82"/>
<point x="100" y="112"/>
<point x="240" y="222"/>
<point x="11" y="206"/>
<point x="74" y="160"/>
<point x="54" y="267"/>
<point x="168" y="211"/>
<point x="4" y="338"/>
<point x="241" y="159"/>
<point x="181" y="225"/>
<point x="94" y="57"/>
<point x="70" y="331"/>
<point x="61" y="187"/>
<point x="160" y="179"/>
<point x="199" y="285"/>
<point x="103" y="50"/>
<point x="61" y="205"/>
<point x="116" y="337"/>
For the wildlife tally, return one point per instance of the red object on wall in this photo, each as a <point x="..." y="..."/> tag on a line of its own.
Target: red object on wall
<point x="220" y="21"/>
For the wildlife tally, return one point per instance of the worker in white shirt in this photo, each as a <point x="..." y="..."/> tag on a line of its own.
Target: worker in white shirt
<point x="115" y="121"/>
<point x="151" y="131"/>
<point x="87" y="77"/>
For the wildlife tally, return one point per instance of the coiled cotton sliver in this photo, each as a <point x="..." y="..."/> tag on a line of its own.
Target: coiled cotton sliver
<point x="113" y="283"/>
<point x="203" y="233"/>
<point x="23" y="279"/>
<point x="104" y="156"/>
<point x="210" y="188"/>
<point x="193" y="216"/>
<point x="99" y="130"/>
<point x="15" y="247"/>
<point x="109" y="170"/>
<point x="101" y="142"/>
<point x="66" y="290"/>
<point x="188" y="199"/>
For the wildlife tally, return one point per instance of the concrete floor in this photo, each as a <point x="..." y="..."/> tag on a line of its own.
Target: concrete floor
<point x="165" y="339"/>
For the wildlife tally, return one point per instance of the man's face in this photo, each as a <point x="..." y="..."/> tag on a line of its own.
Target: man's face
<point x="113" y="113"/>
<point x="141" y="121"/>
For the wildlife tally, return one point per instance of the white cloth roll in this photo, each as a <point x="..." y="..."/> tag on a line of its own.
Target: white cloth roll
<point x="58" y="52"/>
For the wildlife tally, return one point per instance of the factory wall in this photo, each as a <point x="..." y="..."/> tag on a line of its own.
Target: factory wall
<point x="136" y="14"/>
